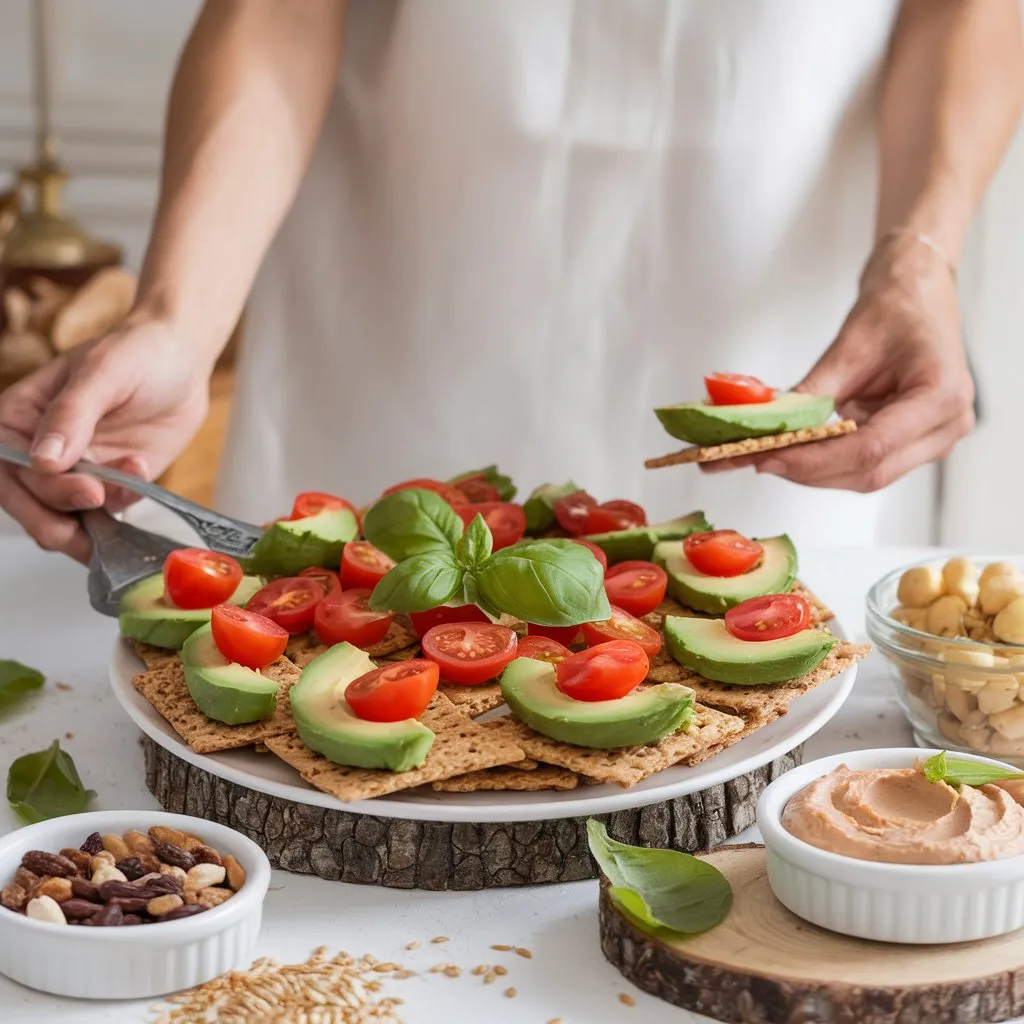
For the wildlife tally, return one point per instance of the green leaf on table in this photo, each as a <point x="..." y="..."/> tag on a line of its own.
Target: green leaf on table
<point x="46" y="785"/>
<point x="959" y="772"/>
<point x="412" y="522"/>
<point x="540" y="506"/>
<point x="419" y="583"/>
<point x="17" y="680"/>
<point x="490" y="475"/>
<point x="474" y="547"/>
<point x="661" y="889"/>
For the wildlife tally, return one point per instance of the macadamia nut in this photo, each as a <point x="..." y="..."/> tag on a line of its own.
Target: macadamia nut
<point x="960" y="577"/>
<point x="919" y="586"/>
<point x="1008" y="625"/>
<point x="998" y="592"/>
<point x="945" y="616"/>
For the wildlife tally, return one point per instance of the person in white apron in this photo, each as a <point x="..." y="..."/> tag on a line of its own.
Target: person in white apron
<point x="526" y="223"/>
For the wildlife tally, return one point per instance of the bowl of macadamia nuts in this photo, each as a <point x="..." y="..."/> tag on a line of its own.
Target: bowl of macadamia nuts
<point x="953" y="633"/>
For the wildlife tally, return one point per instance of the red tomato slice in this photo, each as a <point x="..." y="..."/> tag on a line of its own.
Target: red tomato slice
<point x="470" y="653"/>
<point x="477" y="489"/>
<point x="450" y="493"/>
<point x="572" y="510"/>
<point x="346" y="616"/>
<point x="289" y="601"/>
<point x="311" y="503"/>
<point x="615" y="515"/>
<point x="422" y="622"/>
<point x="243" y="636"/>
<point x="327" y="578"/>
<point x="506" y="521"/>
<point x="604" y="672"/>
<point x="393" y="693"/>
<point x="623" y="626"/>
<point x="197" y="578"/>
<point x="595" y="550"/>
<point x="560" y="634"/>
<point x="542" y="648"/>
<point x="737" y="389"/>
<point x="636" y="587"/>
<point x="771" y="617"/>
<point x="722" y="552"/>
<point x="362" y="565"/>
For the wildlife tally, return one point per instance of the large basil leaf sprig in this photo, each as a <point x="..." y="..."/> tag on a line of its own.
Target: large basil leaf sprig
<point x="549" y="582"/>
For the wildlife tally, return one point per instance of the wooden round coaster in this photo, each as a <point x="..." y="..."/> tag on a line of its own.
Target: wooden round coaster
<point x="764" y="965"/>
<point x="372" y="850"/>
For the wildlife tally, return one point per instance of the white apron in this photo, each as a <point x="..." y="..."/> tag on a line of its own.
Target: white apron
<point x="529" y="222"/>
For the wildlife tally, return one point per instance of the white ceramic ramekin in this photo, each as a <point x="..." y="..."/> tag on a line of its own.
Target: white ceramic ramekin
<point x="885" y="902"/>
<point x="134" y="962"/>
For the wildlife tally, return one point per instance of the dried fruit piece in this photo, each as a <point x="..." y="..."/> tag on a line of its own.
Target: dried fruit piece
<point x="43" y="908"/>
<point x="79" y="858"/>
<point x="93" y="844"/>
<point x="185" y="911"/>
<point x="129" y="904"/>
<point x="114" y="844"/>
<point x="169" y="853"/>
<point x="83" y="889"/>
<point x="132" y="868"/>
<point x="173" y="872"/>
<point x="160" y="905"/>
<point x="13" y="897"/>
<point x="138" y="842"/>
<point x="58" y="889"/>
<point x="109" y="916"/>
<point x="203" y="875"/>
<point x="42" y="863"/>
<point x="206" y="855"/>
<point x="28" y="880"/>
<point x="235" y="874"/>
<point x="175" y="837"/>
<point x="213" y="897"/>
<point x="131" y="919"/>
<point x="79" y="910"/>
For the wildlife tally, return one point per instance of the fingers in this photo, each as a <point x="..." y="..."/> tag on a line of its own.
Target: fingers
<point x="76" y="492"/>
<point x="50" y="530"/>
<point x="841" y="369"/>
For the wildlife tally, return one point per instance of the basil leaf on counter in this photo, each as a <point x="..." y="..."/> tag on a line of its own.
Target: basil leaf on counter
<point x="17" y="680"/>
<point x="661" y="889"/>
<point x="490" y="475"/>
<point x="540" y="506"/>
<point x="419" y="583"/>
<point x="412" y="522"/>
<point x="550" y="582"/>
<point x="474" y="547"/>
<point x="46" y="785"/>
<point x="959" y="772"/>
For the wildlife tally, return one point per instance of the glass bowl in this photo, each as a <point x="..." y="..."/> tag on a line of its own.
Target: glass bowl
<point x="959" y="693"/>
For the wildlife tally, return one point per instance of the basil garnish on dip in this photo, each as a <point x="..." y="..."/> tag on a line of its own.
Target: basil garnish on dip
<point x="16" y="681"/>
<point x="549" y="582"/>
<point x="661" y="890"/>
<point x="956" y="771"/>
<point x="46" y="785"/>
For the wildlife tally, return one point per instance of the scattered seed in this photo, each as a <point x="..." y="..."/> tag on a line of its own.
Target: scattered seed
<point x="500" y="970"/>
<point x="438" y="939"/>
<point x="626" y="1000"/>
<point x="65" y="687"/>
<point x="510" y="993"/>
<point x="555" y="1020"/>
<point x="452" y="971"/>
<point x="525" y="953"/>
<point x="387" y="968"/>
<point x="503" y="949"/>
<point x="403" y="974"/>
<point x="490" y="978"/>
<point x="415" y="944"/>
<point x="480" y="969"/>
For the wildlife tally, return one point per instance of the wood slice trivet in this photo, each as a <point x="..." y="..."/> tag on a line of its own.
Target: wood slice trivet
<point x="343" y="846"/>
<point x="764" y="965"/>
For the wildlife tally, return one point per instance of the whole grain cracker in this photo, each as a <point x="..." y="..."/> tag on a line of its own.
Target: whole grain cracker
<point x="474" y="700"/>
<point x="753" y="445"/>
<point x="460" y="746"/>
<point x="544" y="776"/>
<point x="820" y="612"/>
<point x="165" y="688"/>
<point x="153" y="657"/>
<point x="302" y="649"/>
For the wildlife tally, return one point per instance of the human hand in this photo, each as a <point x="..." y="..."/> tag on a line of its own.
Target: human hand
<point x="132" y="399"/>
<point x="898" y="368"/>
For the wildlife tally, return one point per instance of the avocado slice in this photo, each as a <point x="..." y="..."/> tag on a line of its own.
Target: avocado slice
<point x="717" y="594"/>
<point x="704" y="424"/>
<point x="145" y="616"/>
<point x="292" y="545"/>
<point x="706" y="647"/>
<point x="641" y="717"/>
<point x="540" y="506"/>
<point x="328" y="725"/>
<point x="629" y="545"/>
<point x="224" y="690"/>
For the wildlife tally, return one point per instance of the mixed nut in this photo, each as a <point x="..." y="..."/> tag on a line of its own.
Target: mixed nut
<point x="135" y="878"/>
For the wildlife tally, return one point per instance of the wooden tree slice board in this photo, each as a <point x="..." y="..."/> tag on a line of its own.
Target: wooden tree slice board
<point x="348" y="847"/>
<point x="764" y="965"/>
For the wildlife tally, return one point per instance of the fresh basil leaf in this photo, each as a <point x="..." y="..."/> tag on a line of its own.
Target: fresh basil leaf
<point x="958" y="772"/>
<point x="662" y="888"/>
<point x="474" y="547"/>
<point x="46" y="785"/>
<point x="412" y="522"/>
<point x="549" y="582"/>
<point x="540" y="505"/>
<point x="418" y="584"/>
<point x="490" y="475"/>
<point x="17" y="680"/>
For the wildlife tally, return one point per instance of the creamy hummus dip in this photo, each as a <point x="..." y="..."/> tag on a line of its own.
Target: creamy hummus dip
<point x="897" y="816"/>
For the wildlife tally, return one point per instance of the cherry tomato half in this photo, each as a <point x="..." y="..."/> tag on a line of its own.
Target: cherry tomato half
<point x="346" y="616"/>
<point x="560" y="634"/>
<point x="771" y="617"/>
<point x="636" y="587"/>
<point x="362" y="565"/>
<point x="572" y="511"/>
<point x="623" y="626"/>
<point x="424" y="621"/>
<point x="327" y="578"/>
<point x="597" y="552"/>
<point x="604" y="672"/>
<point x="737" y="389"/>
<point x="506" y="521"/>
<point x="722" y="552"/>
<point x="477" y="489"/>
<point x="542" y="648"/>
<point x="197" y="578"/>
<point x="311" y="503"/>
<point x="470" y="653"/>
<point x="243" y="636"/>
<point x="289" y="601"/>
<point x="393" y="693"/>
<point x="615" y="515"/>
<point x="450" y="493"/>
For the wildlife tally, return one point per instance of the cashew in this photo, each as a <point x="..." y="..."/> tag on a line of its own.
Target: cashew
<point x="994" y="569"/>
<point x="919" y="586"/>
<point x="937" y="697"/>
<point x="960" y="576"/>
<point x="949" y="727"/>
<point x="203" y="875"/>
<point x="1009" y="623"/>
<point x="1005" y="747"/>
<point x="912" y="617"/>
<point x="998" y="695"/>
<point x="914" y="683"/>
<point x="1009" y="723"/>
<point x="974" y="658"/>
<point x="945" y="616"/>
<point x="106" y="873"/>
<point x="998" y="592"/>
<point x="961" y="702"/>
<point x="977" y="737"/>
<point x="45" y="908"/>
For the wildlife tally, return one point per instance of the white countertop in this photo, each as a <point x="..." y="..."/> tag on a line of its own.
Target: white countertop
<point x="46" y="622"/>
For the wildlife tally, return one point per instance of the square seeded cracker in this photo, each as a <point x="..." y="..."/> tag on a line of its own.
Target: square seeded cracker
<point x="461" y="746"/>
<point x="509" y="778"/>
<point x="302" y="649"/>
<point x="153" y="657"/>
<point x="165" y="688"/>
<point x="753" y="445"/>
<point x="474" y="700"/>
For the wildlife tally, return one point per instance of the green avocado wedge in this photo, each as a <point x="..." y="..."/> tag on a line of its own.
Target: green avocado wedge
<point x="540" y="505"/>
<point x="224" y="690"/>
<point x="292" y="545"/>
<point x="717" y="594"/>
<point x="703" y="424"/>
<point x="706" y="647"/>
<point x="641" y="717"/>
<point x="639" y="544"/>
<point x="145" y="615"/>
<point x="328" y="725"/>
